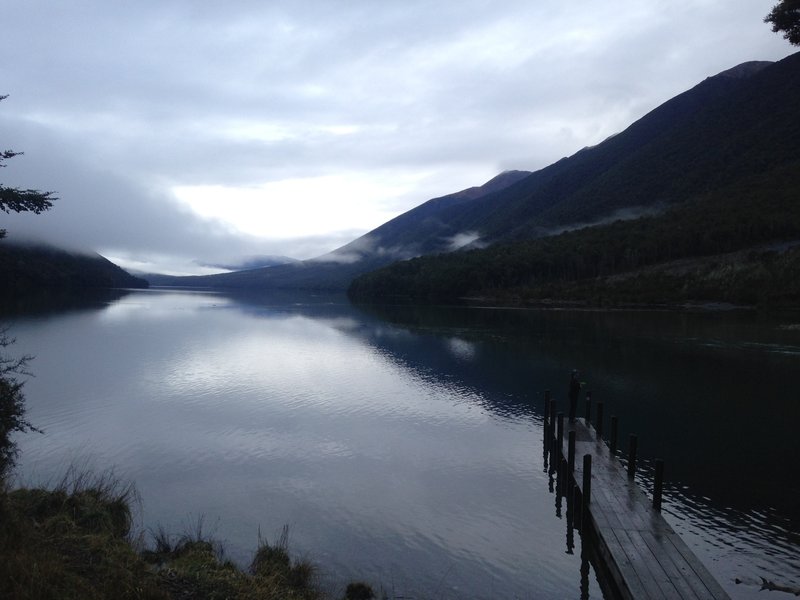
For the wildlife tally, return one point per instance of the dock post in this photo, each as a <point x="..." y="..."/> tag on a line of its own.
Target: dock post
<point x="571" y="452"/>
<point x="588" y="407"/>
<point x="552" y="414"/>
<point x="633" y="442"/>
<point x="658" y="484"/>
<point x="560" y="434"/>
<point x="586" y="492"/>
<point x="546" y="405"/>
<point x="614" y="430"/>
<point x="599" y="424"/>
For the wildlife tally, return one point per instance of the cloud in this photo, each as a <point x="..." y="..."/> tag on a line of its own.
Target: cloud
<point x="465" y="238"/>
<point x="155" y="120"/>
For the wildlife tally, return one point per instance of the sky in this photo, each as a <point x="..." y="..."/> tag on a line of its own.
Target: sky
<point x="184" y="133"/>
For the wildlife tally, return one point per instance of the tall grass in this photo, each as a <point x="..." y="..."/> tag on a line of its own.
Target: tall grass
<point x="74" y="539"/>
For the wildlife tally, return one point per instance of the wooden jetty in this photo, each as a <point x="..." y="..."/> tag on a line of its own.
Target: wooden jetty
<point x="640" y="553"/>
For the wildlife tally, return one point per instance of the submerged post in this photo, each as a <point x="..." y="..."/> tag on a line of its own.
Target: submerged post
<point x="658" y="484"/>
<point x="560" y="433"/>
<point x="614" y="430"/>
<point x="599" y="424"/>
<point x="633" y="442"/>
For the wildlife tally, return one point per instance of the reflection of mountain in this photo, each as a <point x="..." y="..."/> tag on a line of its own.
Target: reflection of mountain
<point x="692" y="386"/>
<point x="45" y="302"/>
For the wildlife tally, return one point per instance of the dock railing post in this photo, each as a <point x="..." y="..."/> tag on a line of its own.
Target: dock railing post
<point x="599" y="424"/>
<point x="587" y="478"/>
<point x="560" y="434"/>
<point x="586" y="492"/>
<point x="588" y="407"/>
<point x="658" y="484"/>
<point x="614" y="430"/>
<point x="633" y="442"/>
<point x="546" y="405"/>
<point x="571" y="452"/>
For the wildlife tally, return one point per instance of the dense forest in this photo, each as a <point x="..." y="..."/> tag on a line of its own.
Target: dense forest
<point x="30" y="268"/>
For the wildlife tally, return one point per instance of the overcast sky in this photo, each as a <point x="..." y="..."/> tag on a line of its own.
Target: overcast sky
<point x="177" y="132"/>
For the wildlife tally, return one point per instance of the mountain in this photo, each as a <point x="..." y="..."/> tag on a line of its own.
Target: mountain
<point x="253" y="262"/>
<point x="32" y="268"/>
<point x="713" y="171"/>
<point x="392" y="241"/>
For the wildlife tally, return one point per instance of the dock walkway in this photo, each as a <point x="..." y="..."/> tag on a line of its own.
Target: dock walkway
<point x="644" y="557"/>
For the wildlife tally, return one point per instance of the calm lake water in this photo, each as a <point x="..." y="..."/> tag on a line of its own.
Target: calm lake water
<point x="402" y="445"/>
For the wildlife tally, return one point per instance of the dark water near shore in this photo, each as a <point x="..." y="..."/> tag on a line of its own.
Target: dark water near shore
<point x="403" y="445"/>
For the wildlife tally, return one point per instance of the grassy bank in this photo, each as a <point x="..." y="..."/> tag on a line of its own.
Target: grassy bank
<point x="75" y="541"/>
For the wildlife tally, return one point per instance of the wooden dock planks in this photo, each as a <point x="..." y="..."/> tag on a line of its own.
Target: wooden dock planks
<point x="643" y="555"/>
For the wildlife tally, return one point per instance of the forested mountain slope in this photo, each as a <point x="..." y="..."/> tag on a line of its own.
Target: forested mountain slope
<point x="32" y="268"/>
<point x="720" y="161"/>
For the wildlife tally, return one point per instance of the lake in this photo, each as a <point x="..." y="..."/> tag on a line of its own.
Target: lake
<point x="402" y="445"/>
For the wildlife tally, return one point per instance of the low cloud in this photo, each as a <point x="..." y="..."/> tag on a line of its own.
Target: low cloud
<point x="465" y="239"/>
<point x="368" y="246"/>
<point x="624" y="214"/>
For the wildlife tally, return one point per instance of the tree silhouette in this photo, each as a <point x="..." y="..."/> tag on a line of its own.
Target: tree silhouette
<point x="12" y="401"/>
<point x="785" y="17"/>
<point x="17" y="200"/>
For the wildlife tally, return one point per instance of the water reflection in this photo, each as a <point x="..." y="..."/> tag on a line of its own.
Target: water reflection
<point x="261" y="413"/>
<point x="401" y="443"/>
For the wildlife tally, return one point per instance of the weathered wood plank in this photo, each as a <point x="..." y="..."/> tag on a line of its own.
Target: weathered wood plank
<point x="675" y="565"/>
<point x="655" y="563"/>
<point x="700" y="571"/>
<point x="639" y="567"/>
<point x="620" y="568"/>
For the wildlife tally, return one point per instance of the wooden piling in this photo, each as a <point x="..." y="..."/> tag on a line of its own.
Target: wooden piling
<point x="546" y="405"/>
<point x="598" y="426"/>
<point x="587" y="479"/>
<point x="586" y="489"/>
<point x="571" y="452"/>
<point x="614" y="431"/>
<point x="633" y="442"/>
<point x="560" y="432"/>
<point x="588" y="407"/>
<point x="658" y="484"/>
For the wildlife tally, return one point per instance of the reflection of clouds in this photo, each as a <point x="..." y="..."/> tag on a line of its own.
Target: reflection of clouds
<point x="461" y="348"/>
<point x="156" y="304"/>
